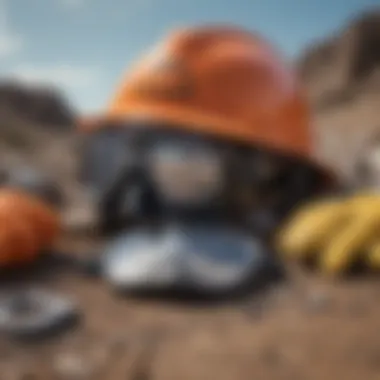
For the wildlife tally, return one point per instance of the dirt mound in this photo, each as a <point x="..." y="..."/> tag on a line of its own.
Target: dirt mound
<point x="344" y="65"/>
<point x="36" y="132"/>
<point x="38" y="104"/>
<point x="342" y="78"/>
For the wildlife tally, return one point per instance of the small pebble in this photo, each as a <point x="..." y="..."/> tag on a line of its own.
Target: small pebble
<point x="357" y="308"/>
<point x="254" y="310"/>
<point x="318" y="301"/>
<point x="271" y="356"/>
<point x="17" y="373"/>
<point x="119" y="343"/>
<point x="27" y="376"/>
<point x="373" y="359"/>
<point x="72" y="367"/>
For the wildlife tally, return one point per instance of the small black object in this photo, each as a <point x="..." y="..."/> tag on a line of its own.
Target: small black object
<point x="35" y="314"/>
<point x="90" y="267"/>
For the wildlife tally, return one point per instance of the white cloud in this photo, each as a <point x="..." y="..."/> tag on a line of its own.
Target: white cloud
<point x="10" y="45"/>
<point x="69" y="77"/>
<point x="10" y="42"/>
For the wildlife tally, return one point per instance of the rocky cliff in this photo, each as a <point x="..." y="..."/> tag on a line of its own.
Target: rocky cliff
<point x="342" y="78"/>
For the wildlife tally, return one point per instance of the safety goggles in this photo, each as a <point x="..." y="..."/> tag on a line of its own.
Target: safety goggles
<point x="178" y="174"/>
<point x="190" y="172"/>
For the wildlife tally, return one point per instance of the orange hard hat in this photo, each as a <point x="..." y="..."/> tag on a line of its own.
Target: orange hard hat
<point x="221" y="81"/>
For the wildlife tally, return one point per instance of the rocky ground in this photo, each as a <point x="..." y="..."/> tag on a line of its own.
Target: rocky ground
<point x="305" y="328"/>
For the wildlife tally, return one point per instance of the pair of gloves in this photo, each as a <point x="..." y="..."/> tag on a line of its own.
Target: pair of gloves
<point x="339" y="232"/>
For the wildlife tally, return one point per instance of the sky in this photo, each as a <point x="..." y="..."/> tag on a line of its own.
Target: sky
<point x="84" y="46"/>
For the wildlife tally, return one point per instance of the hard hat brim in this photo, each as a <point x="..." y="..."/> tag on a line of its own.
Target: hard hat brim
<point x="201" y="123"/>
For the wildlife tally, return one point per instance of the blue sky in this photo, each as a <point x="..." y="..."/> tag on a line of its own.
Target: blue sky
<point x="85" y="45"/>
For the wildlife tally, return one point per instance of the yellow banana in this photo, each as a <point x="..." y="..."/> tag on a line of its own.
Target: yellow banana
<point x="373" y="257"/>
<point x="343" y="250"/>
<point x="338" y="231"/>
<point x="310" y="228"/>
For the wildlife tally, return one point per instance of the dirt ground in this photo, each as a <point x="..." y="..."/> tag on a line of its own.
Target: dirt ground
<point x="303" y="329"/>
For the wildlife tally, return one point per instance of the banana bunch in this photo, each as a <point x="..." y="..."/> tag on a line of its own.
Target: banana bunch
<point x="339" y="232"/>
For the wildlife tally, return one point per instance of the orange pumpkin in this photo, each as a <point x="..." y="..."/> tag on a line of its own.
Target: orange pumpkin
<point x="27" y="227"/>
